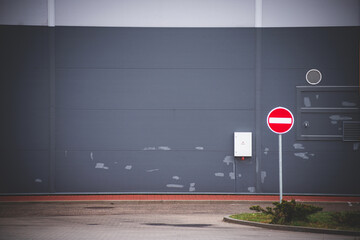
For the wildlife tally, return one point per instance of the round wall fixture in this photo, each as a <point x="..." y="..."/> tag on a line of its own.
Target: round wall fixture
<point x="313" y="76"/>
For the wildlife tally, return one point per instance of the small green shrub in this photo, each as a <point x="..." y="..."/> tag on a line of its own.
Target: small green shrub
<point x="286" y="212"/>
<point x="346" y="218"/>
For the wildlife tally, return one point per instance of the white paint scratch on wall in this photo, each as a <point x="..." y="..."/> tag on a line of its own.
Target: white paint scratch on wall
<point x="219" y="174"/>
<point x="251" y="189"/>
<point x="228" y="160"/>
<point x="356" y="146"/>
<point x="192" y="187"/>
<point x="99" y="165"/>
<point x="298" y="146"/>
<point x="176" y="177"/>
<point x="164" y="148"/>
<point x="38" y="180"/>
<point x="303" y="155"/>
<point x="66" y="152"/>
<point x="91" y="156"/>
<point x="149" y="148"/>
<point x="153" y="170"/>
<point x="307" y="102"/>
<point x="263" y="176"/>
<point x="128" y="167"/>
<point x="266" y="151"/>
<point x="339" y="118"/>
<point x="239" y="175"/>
<point x="199" y="148"/>
<point x="232" y="175"/>
<point x="317" y="96"/>
<point x="174" y="185"/>
<point x="348" y="104"/>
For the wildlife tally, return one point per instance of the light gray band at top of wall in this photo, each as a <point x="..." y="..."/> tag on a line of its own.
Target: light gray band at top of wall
<point x="181" y="13"/>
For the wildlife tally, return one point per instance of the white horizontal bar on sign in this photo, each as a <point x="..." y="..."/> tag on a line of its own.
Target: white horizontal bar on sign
<point x="280" y="120"/>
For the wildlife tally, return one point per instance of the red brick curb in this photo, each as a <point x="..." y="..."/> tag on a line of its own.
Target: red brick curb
<point x="173" y="197"/>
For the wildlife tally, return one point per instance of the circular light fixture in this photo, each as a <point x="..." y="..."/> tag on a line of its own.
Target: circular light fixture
<point x="313" y="76"/>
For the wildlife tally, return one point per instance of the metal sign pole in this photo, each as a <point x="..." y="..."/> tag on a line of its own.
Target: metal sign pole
<point x="280" y="168"/>
<point x="280" y="120"/>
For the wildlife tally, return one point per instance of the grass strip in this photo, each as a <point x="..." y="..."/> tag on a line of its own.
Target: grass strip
<point x="317" y="220"/>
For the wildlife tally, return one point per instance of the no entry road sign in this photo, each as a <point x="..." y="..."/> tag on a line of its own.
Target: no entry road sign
<point x="280" y="120"/>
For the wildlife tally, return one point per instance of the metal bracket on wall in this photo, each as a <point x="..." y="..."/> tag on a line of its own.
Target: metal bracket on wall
<point x="321" y="111"/>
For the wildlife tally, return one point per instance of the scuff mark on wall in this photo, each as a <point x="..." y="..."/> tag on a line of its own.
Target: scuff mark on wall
<point x="128" y="167"/>
<point x="91" y="156"/>
<point x="38" y="180"/>
<point x="298" y="146"/>
<point x="307" y="102"/>
<point x="153" y="170"/>
<point x="164" y="148"/>
<point x="348" y="104"/>
<point x="176" y="177"/>
<point x="263" y="176"/>
<point x="174" y="185"/>
<point x="228" y="160"/>
<point x="317" y="96"/>
<point x="101" y="166"/>
<point x="219" y="174"/>
<point x="199" y="148"/>
<point x="192" y="187"/>
<point x="339" y="118"/>
<point x="239" y="175"/>
<point x="232" y="175"/>
<point x="65" y="153"/>
<point x="251" y="189"/>
<point x="266" y="150"/>
<point x="334" y="122"/>
<point x="149" y="148"/>
<point x="356" y="146"/>
<point x="303" y="155"/>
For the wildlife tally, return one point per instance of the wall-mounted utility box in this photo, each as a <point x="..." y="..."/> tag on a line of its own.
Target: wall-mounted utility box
<point x="242" y="144"/>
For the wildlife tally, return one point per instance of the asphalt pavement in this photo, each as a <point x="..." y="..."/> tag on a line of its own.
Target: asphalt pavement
<point x="140" y="220"/>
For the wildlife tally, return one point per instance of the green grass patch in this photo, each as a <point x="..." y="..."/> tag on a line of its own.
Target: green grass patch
<point x="254" y="217"/>
<point x="317" y="220"/>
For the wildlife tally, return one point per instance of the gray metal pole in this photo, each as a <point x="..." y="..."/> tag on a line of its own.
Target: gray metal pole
<point x="280" y="168"/>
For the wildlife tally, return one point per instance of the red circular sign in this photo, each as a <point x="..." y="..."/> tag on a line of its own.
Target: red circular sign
<point x="280" y="120"/>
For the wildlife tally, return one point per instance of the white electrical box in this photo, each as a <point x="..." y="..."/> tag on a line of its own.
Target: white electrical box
<point x="242" y="144"/>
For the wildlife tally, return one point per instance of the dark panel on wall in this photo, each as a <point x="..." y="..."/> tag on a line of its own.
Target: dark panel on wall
<point x="155" y="89"/>
<point x="154" y="48"/>
<point x="24" y="110"/>
<point x="151" y="110"/>
<point x="323" y="165"/>
<point x="155" y="109"/>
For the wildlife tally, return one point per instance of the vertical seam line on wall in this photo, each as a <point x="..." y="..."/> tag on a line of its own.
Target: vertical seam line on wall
<point x="52" y="109"/>
<point x="258" y="66"/>
<point x="258" y="55"/>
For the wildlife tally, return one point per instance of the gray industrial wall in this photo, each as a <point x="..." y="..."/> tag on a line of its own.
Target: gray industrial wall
<point x="92" y="109"/>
